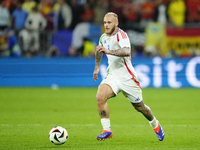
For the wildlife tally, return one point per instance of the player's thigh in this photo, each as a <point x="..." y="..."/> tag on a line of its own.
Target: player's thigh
<point x="104" y="92"/>
<point x="132" y="91"/>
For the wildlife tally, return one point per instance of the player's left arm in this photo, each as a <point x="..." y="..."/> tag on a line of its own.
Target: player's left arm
<point x="124" y="43"/>
<point x="122" y="52"/>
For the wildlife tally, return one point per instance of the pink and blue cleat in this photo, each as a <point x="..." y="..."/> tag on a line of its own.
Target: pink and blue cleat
<point x="159" y="132"/>
<point x="105" y="135"/>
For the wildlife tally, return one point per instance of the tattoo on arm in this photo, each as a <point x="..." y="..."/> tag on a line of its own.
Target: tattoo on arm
<point x="123" y="52"/>
<point x="103" y="113"/>
<point x="98" y="57"/>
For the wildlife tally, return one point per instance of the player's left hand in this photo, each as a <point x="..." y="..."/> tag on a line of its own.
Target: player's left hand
<point x="102" y="49"/>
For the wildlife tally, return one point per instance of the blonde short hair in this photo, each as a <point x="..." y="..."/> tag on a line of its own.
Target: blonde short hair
<point x="113" y="14"/>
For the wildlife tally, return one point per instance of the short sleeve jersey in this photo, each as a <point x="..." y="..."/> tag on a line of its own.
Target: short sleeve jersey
<point x="119" y="67"/>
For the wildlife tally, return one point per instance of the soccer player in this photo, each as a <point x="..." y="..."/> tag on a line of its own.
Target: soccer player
<point x="121" y="76"/>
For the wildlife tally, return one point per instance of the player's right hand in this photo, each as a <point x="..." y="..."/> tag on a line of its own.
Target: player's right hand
<point x="95" y="74"/>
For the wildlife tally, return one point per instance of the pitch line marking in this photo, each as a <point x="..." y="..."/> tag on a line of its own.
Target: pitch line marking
<point x="76" y="125"/>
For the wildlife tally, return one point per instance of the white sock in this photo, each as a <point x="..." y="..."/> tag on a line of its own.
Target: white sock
<point x="153" y="123"/>
<point x="106" y="124"/>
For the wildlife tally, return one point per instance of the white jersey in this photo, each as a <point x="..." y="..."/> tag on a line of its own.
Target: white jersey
<point x="120" y="67"/>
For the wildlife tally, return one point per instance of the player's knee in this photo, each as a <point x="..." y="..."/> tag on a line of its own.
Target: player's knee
<point x="139" y="109"/>
<point x="138" y="106"/>
<point x="142" y="108"/>
<point x="100" y="99"/>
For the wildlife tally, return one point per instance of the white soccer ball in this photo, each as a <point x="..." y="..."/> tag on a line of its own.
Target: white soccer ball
<point x="58" y="135"/>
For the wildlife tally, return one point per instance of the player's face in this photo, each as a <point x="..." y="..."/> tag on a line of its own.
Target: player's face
<point x="110" y="24"/>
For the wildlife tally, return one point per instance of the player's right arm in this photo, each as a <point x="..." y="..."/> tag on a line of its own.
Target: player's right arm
<point x="98" y="57"/>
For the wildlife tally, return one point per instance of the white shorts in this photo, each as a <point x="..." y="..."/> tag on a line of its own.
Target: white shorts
<point x="129" y="88"/>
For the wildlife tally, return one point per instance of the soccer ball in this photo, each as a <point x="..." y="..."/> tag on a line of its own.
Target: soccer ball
<point x="58" y="135"/>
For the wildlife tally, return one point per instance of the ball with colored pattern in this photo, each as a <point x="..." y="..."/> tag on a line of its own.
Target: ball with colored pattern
<point x="58" y="135"/>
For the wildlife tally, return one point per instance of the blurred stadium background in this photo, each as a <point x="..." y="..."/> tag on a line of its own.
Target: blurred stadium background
<point x="46" y="68"/>
<point x="54" y="42"/>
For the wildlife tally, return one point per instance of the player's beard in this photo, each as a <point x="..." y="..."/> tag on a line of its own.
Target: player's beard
<point x="112" y="30"/>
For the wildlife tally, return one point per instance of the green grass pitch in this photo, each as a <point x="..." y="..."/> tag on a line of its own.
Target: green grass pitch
<point x="28" y="114"/>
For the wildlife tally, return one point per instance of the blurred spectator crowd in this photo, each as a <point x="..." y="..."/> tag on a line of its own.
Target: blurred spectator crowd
<point x="23" y="21"/>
